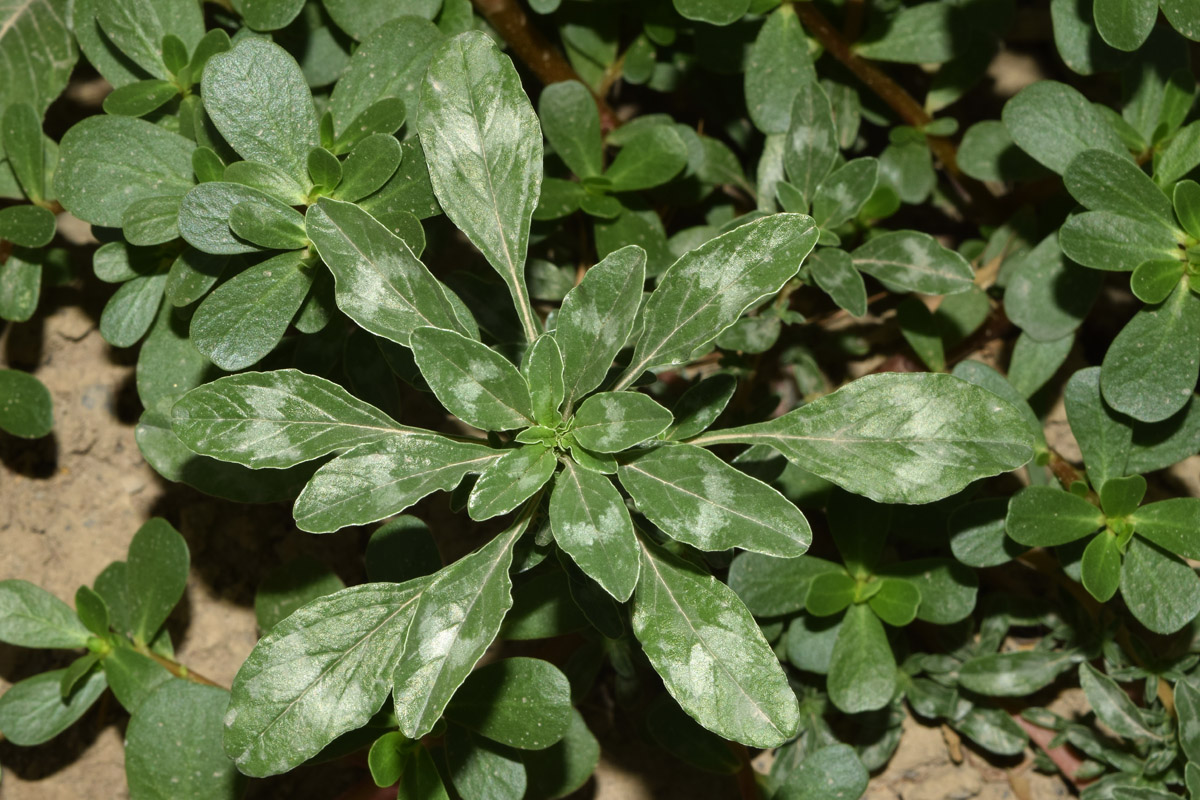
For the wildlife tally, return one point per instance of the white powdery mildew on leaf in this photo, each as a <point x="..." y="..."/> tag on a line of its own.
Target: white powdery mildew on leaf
<point x="711" y="655"/>
<point x="322" y="671"/>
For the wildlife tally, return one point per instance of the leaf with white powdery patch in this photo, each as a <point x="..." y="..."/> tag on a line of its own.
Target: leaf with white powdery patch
<point x="710" y="652"/>
<point x="592" y="525"/>
<point x="474" y="382"/>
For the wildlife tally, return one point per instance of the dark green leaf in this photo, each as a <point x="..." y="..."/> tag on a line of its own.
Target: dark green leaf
<point x="26" y="409"/>
<point x="158" y="568"/>
<point x="1054" y="123"/>
<point x="830" y="773"/>
<point x="572" y="126"/>
<point x="1112" y="706"/>
<point x="271" y="226"/>
<point x="833" y="270"/>
<point x="32" y="617"/>
<point x="1109" y="241"/>
<point x="1162" y="592"/>
<point x="778" y="65"/>
<point x="1125" y="24"/>
<point x="650" y="158"/>
<point x="520" y="702"/>
<point x="977" y="535"/>
<point x="483" y="770"/>
<point x="862" y="670"/>
<point x="1015" y="674"/>
<point x="1172" y="524"/>
<point x="1045" y="516"/>
<point x="1100" y="567"/>
<point x="291" y="586"/>
<point x="34" y="711"/>
<point x="1104" y="181"/>
<point x="915" y="262"/>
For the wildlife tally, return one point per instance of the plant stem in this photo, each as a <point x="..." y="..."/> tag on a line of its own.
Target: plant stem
<point x="535" y="51"/>
<point x="177" y="669"/>
<point x="892" y="93"/>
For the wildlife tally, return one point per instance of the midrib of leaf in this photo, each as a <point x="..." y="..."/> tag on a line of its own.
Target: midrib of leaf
<point x="682" y="490"/>
<point x="513" y="278"/>
<point x="704" y="642"/>
<point x="336" y="662"/>
<point x="15" y="15"/>
<point x="513" y="534"/>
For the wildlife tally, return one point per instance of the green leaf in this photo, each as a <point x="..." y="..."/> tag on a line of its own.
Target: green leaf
<point x="271" y="226"/>
<point x="406" y="44"/>
<point x="26" y="409"/>
<point x="158" y="765"/>
<point x="697" y="498"/>
<point x="1125" y="24"/>
<point x="378" y="479"/>
<point x="32" y="617"/>
<point x="401" y="549"/>
<point x="1162" y="592"/>
<point x="1187" y="706"/>
<point x="267" y="15"/>
<point x="914" y="262"/>
<point x="130" y="312"/>
<point x="421" y="779"/>
<point x="709" y="288"/>
<point x="266" y="179"/>
<point x="650" y="158"/>
<point x="484" y="149"/>
<point x="245" y="317"/>
<point x="276" y="419"/>
<point x="862" y="670"/>
<point x="710" y="653"/>
<point x="92" y="610"/>
<point x="1103" y="439"/>
<point x="475" y="383"/>
<point x="483" y="770"/>
<point x="830" y="593"/>
<point x="258" y="99"/>
<point x="1149" y="371"/>
<point x="572" y="126"/>
<point x="980" y="374"/>
<point x="811" y="149"/>
<point x="352" y="636"/>
<point x="1120" y="497"/>
<point x="107" y="163"/>
<point x="948" y="589"/>
<point x="205" y="211"/>
<point x="977" y="535"/>
<point x="136" y="29"/>
<point x="988" y="153"/>
<point x="1104" y="181"/>
<point x="777" y="67"/>
<point x="24" y="148"/>
<point x="919" y="34"/>
<point x="772" y="587"/>
<point x="842" y="193"/>
<point x="1108" y="241"/>
<point x="380" y="283"/>
<point x="36" y="44"/>
<point x="834" y="272"/>
<point x="920" y="330"/>
<point x="388" y="757"/>
<point x="33" y="711"/>
<point x="714" y="12"/>
<point x="1187" y="206"/>
<point x="158" y="568"/>
<point x="1035" y="362"/>
<point x="543" y="371"/>
<point x="360" y="17"/>
<point x="152" y="220"/>
<point x="1014" y="674"/>
<point x="139" y="99"/>
<point x="1048" y="296"/>
<point x="896" y="602"/>
<point x="1173" y="525"/>
<point x="1054" y="123"/>
<point x="370" y="164"/>
<point x="672" y="729"/>
<point x="1100" y="567"/>
<point x="290" y="586"/>
<point x="133" y="677"/>
<point x="520" y="702"/>
<point x="20" y="286"/>
<point x="995" y="730"/>
<point x="1112" y="706"/>
<point x="592" y="525"/>
<point x="1153" y="281"/>
<point x="596" y="318"/>
<point x="1046" y="516"/>
<point x="830" y="773"/>
<point x="700" y="406"/>
<point x="458" y="618"/>
<point x="897" y="438"/>
<point x="511" y="480"/>
<point x="564" y="767"/>
<point x="610" y="422"/>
